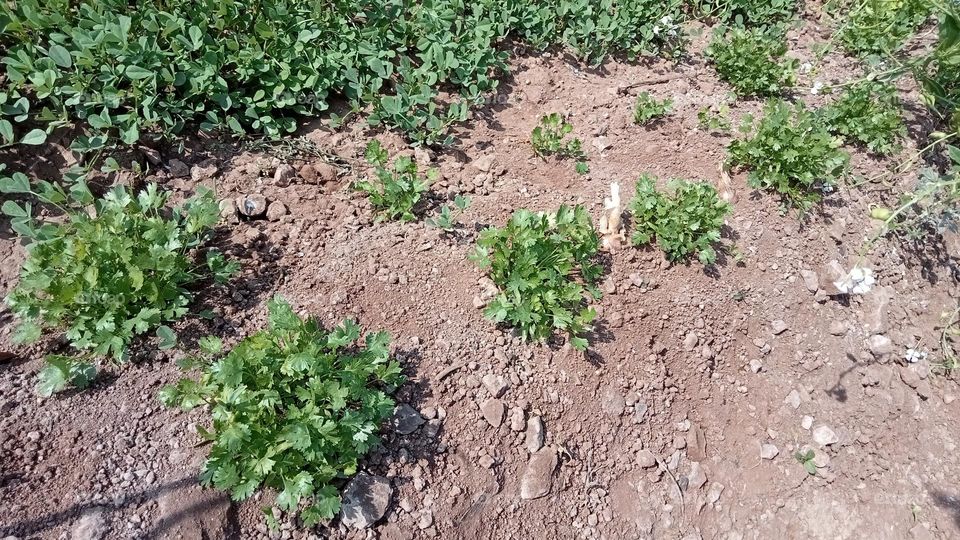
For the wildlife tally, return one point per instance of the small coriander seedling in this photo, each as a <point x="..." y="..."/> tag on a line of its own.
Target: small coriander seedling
<point x="647" y="109"/>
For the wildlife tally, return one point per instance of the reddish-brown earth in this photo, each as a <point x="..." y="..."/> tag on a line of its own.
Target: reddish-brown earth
<point x="657" y="430"/>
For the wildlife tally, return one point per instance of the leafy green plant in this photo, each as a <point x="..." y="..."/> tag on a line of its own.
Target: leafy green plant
<point x="294" y="407"/>
<point x="718" y="121"/>
<point x="114" y="269"/>
<point x="753" y="60"/>
<point x="877" y="26"/>
<point x="684" y="224"/>
<point x="647" y="108"/>
<point x="395" y="191"/>
<point x="446" y="220"/>
<point x="582" y="167"/>
<point x="806" y="459"/>
<point x="543" y="265"/>
<point x="790" y="152"/>
<point x="549" y="138"/>
<point x="746" y="12"/>
<point x="867" y="113"/>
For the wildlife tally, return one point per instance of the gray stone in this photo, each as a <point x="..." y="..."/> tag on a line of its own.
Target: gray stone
<point x="875" y="308"/>
<point x="837" y="328"/>
<point x="824" y="436"/>
<point x="90" y="526"/>
<point x="405" y="419"/>
<point x="492" y="410"/>
<point x="365" y="500"/>
<point x="612" y="402"/>
<point x="690" y="342"/>
<point x="793" y="399"/>
<point x="495" y="384"/>
<point x="778" y="327"/>
<point x="252" y="205"/>
<point x="640" y="409"/>
<point x="768" y="451"/>
<point x="538" y="476"/>
<point x="697" y="477"/>
<point x="646" y="459"/>
<point x="810" y="280"/>
<point x="284" y="175"/>
<point x="178" y="169"/>
<point x="535" y="434"/>
<point x="276" y="210"/>
<point x="517" y="422"/>
<point x="880" y="345"/>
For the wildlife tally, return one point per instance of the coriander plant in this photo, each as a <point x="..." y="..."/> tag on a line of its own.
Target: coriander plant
<point x="684" y="224"/>
<point x="877" y="26"/>
<point x="395" y="191"/>
<point x="294" y="408"/>
<point x="752" y="60"/>
<point x="549" y="139"/>
<point x="114" y="269"/>
<point x="790" y="152"/>
<point x="543" y="265"/>
<point x="867" y="113"/>
<point x="648" y="109"/>
<point x="446" y="220"/>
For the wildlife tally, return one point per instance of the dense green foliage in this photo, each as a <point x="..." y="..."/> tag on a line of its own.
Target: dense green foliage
<point x="549" y="138"/>
<point x="294" y="407"/>
<point x="878" y="26"/>
<point x="684" y="224"/>
<point x="115" y="268"/>
<point x="543" y="265"/>
<point x="125" y="72"/>
<point x="747" y="12"/>
<point x="791" y="152"/>
<point x="394" y="192"/>
<point x="752" y="60"/>
<point x="647" y="108"/>
<point x="867" y="113"/>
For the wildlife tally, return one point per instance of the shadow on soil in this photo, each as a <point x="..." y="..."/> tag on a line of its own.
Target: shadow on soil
<point x="948" y="502"/>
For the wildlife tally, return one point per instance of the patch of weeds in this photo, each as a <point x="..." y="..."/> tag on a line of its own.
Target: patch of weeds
<point x="647" y="108"/>
<point x="294" y="408"/>
<point x="867" y="113"/>
<point x="871" y="27"/>
<point x="684" y="224"/>
<point x="396" y="190"/>
<point x="116" y="268"/>
<point x="543" y="266"/>
<point x="753" y="60"/>
<point x="446" y="220"/>
<point x="806" y="459"/>
<point x="715" y="121"/>
<point x="790" y="152"/>
<point x="746" y="12"/>
<point x="550" y="138"/>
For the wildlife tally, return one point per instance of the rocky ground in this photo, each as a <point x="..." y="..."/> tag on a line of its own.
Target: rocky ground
<point x="683" y="420"/>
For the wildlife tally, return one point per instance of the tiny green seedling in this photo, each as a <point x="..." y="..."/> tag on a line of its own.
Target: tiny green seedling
<point x="396" y="191"/>
<point x="806" y="459"/>
<point x="446" y="220"/>
<point x="550" y="139"/>
<point x="718" y="121"/>
<point x="582" y="167"/>
<point x="648" y="109"/>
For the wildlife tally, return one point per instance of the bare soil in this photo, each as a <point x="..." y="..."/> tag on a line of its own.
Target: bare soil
<point x="696" y="367"/>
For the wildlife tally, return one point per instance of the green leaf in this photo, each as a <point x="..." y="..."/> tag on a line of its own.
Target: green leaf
<point x="168" y="339"/>
<point x="26" y="332"/>
<point x="6" y="130"/>
<point x="60" y="56"/>
<point x="210" y="344"/>
<point x="53" y="378"/>
<point x="13" y="209"/>
<point x="34" y="137"/>
<point x="137" y="73"/>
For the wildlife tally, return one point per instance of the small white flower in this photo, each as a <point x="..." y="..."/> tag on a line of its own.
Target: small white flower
<point x="913" y="355"/>
<point x="806" y="67"/>
<point x="858" y="281"/>
<point x="817" y="87"/>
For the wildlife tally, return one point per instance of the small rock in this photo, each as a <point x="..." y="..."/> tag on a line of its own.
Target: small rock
<point x="487" y="462"/>
<point x="284" y="175"/>
<point x="276" y="210"/>
<point x="756" y="365"/>
<point x="697" y="477"/>
<point x="880" y="345"/>
<point x="837" y="328"/>
<point x="713" y="494"/>
<point x="204" y="170"/>
<point x="824" y="436"/>
<point x="806" y="422"/>
<point x="495" y="384"/>
<point x="365" y="500"/>
<point x="33" y="436"/>
<point x="696" y="444"/>
<point x="406" y="419"/>
<point x="252" y="205"/>
<point x="612" y="402"/>
<point x="538" y="477"/>
<point x="768" y="451"/>
<point x="426" y="520"/>
<point x="178" y="169"/>
<point x="492" y="410"/>
<point x="486" y="163"/>
<point x="535" y="434"/>
<point x="690" y="342"/>
<point x="793" y="399"/>
<point x="833" y="272"/>
<point x="646" y="459"/>
<point x="778" y="327"/>
<point x="909" y="376"/>
<point x="516" y="419"/>
<point x="810" y="280"/>
<point x="91" y="525"/>
<point x="876" y="305"/>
